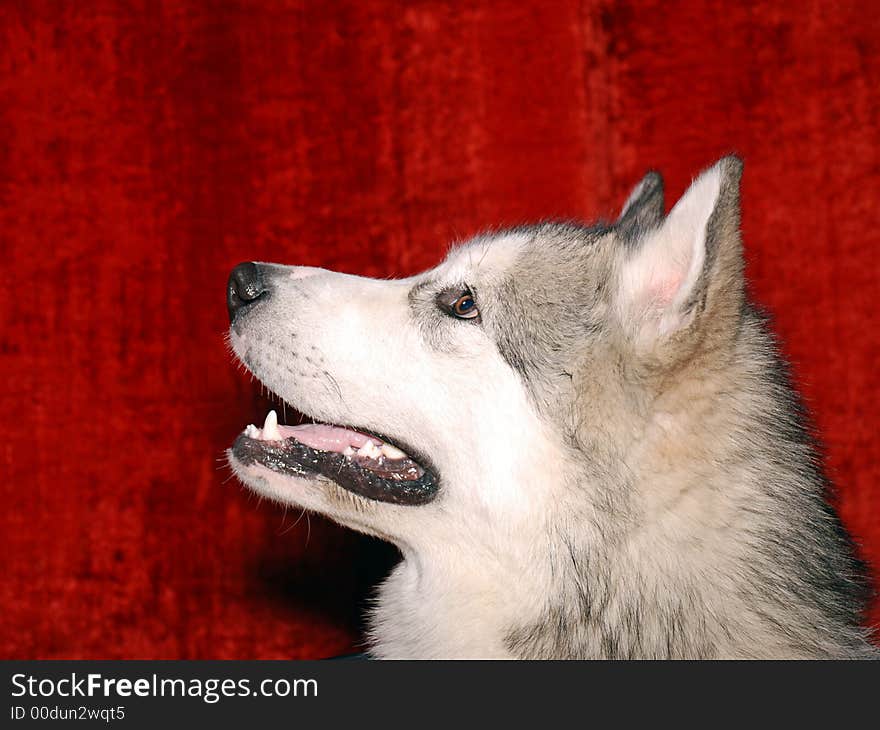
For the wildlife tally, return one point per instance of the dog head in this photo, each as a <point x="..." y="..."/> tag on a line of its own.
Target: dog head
<point x="461" y="397"/>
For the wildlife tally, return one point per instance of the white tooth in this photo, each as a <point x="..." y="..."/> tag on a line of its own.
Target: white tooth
<point x="270" y="427"/>
<point x="369" y="450"/>
<point x="392" y="452"/>
<point x="348" y="451"/>
<point x="252" y="432"/>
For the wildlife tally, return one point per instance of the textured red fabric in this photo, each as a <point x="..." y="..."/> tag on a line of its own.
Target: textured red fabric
<point x="147" y="147"/>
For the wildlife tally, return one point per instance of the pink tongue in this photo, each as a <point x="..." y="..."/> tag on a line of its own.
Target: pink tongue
<point x="326" y="438"/>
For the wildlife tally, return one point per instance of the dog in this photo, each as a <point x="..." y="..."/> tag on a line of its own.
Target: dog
<point x="582" y="439"/>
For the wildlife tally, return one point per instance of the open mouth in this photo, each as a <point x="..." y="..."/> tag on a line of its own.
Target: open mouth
<point x="364" y="463"/>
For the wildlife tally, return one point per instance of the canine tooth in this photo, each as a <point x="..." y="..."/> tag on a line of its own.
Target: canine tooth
<point x="270" y="427"/>
<point x="392" y="452"/>
<point x="369" y="450"/>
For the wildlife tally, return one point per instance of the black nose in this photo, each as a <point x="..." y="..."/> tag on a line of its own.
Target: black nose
<point x="244" y="288"/>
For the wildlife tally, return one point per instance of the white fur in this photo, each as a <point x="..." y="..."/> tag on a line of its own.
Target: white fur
<point x="661" y="505"/>
<point x="465" y="408"/>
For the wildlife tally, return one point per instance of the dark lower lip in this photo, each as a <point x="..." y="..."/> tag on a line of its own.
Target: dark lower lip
<point x="294" y="459"/>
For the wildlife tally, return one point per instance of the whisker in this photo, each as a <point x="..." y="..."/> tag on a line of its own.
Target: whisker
<point x="335" y="386"/>
<point x="486" y="248"/>
<point x="230" y="477"/>
<point x="298" y="520"/>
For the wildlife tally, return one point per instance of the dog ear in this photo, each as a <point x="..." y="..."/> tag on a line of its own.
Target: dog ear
<point x="643" y="209"/>
<point x="673" y="272"/>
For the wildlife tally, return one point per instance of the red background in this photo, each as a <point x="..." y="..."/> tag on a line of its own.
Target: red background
<point x="147" y="147"/>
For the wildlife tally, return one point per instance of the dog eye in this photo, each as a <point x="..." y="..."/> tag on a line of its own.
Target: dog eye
<point x="465" y="307"/>
<point x="459" y="303"/>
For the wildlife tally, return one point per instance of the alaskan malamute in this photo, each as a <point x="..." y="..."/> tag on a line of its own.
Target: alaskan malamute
<point x="581" y="439"/>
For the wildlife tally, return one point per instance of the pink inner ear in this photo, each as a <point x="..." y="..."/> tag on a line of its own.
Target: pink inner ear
<point x="664" y="289"/>
<point x="667" y="289"/>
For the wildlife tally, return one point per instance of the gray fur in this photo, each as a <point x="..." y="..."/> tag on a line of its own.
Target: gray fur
<point x="643" y="210"/>
<point x="655" y="491"/>
<point x="792" y="586"/>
